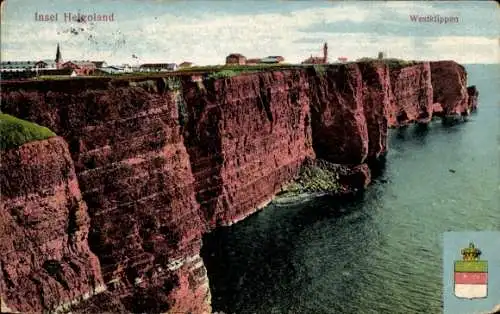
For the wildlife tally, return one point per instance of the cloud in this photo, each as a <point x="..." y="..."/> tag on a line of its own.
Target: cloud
<point x="401" y="18"/>
<point x="205" y="34"/>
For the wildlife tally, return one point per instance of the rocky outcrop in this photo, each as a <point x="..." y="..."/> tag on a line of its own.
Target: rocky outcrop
<point x="412" y="91"/>
<point x="135" y="176"/>
<point x="473" y="95"/>
<point x="376" y="102"/>
<point x="232" y="123"/>
<point x="449" y="82"/>
<point x="160" y="161"/>
<point x="45" y="263"/>
<point x="339" y="128"/>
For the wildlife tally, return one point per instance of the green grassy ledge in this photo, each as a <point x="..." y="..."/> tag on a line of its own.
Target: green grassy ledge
<point x="15" y="132"/>
<point x="315" y="176"/>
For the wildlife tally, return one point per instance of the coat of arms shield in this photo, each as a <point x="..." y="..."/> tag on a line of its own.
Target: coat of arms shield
<point x="471" y="274"/>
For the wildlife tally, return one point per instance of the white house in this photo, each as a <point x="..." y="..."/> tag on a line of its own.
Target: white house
<point x="158" y="67"/>
<point x="112" y="70"/>
<point x="117" y="69"/>
<point x="127" y="68"/>
<point x="46" y="64"/>
<point x="17" y="66"/>
<point x="272" y="59"/>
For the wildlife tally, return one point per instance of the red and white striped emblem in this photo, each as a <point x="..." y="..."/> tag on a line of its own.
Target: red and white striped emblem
<point x="471" y="275"/>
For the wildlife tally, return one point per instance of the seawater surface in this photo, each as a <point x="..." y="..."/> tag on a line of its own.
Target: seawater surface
<point x="381" y="253"/>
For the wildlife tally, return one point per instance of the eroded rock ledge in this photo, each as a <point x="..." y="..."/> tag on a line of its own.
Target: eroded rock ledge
<point x="160" y="161"/>
<point x="45" y="262"/>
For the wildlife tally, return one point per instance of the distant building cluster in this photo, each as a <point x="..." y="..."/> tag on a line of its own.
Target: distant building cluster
<point x="58" y="67"/>
<point x="72" y="68"/>
<point x="318" y="60"/>
<point x="237" y="58"/>
<point x="324" y="58"/>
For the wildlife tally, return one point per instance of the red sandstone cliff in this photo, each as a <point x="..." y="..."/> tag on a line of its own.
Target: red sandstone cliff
<point x="340" y="133"/>
<point x="158" y="167"/>
<point x="45" y="262"/>
<point x="340" y="127"/>
<point x="411" y="99"/>
<point x="449" y="81"/>
<point x="246" y="136"/>
<point x="376" y="102"/>
<point x="473" y="95"/>
<point x="135" y="176"/>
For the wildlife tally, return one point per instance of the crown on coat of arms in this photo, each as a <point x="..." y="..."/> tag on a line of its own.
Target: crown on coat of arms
<point x="471" y="253"/>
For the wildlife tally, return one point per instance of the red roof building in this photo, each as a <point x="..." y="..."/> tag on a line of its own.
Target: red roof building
<point x="236" y="58"/>
<point x="196" y="78"/>
<point x="253" y="61"/>
<point x="318" y="60"/>
<point x="80" y="67"/>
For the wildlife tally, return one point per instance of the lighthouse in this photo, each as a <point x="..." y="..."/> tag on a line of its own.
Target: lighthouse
<point x="471" y="274"/>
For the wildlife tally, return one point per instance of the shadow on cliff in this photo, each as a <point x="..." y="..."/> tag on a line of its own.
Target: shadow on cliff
<point x="419" y="135"/>
<point x="256" y="259"/>
<point x="378" y="168"/>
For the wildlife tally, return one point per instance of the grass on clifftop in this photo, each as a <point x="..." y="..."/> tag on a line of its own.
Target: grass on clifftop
<point x="391" y="62"/>
<point x="236" y="67"/>
<point x="15" y="132"/>
<point x="225" y="71"/>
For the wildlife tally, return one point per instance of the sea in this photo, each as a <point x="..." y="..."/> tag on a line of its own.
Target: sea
<point x="381" y="252"/>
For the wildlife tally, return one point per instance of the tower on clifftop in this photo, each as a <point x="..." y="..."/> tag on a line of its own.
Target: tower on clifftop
<point x="58" y="57"/>
<point x="325" y="52"/>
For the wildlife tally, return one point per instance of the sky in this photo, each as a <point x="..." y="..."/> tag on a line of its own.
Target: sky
<point x="205" y="32"/>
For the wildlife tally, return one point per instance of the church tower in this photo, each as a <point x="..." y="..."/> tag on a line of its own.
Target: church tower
<point x="58" y="58"/>
<point x="325" y="53"/>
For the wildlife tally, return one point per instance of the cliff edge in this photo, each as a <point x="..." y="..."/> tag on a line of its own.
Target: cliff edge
<point x="450" y="93"/>
<point x="162" y="160"/>
<point x="45" y="263"/>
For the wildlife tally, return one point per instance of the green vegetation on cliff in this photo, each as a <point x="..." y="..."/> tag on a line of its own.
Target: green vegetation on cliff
<point x="226" y="71"/>
<point x="391" y="62"/>
<point x="15" y="132"/>
<point x="320" y="69"/>
<point x="237" y="67"/>
<point x="223" y="74"/>
<point x="315" y="176"/>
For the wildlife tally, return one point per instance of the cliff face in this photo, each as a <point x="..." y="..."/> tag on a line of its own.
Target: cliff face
<point x="376" y="102"/>
<point x="340" y="133"/>
<point x="135" y="177"/>
<point x="412" y="92"/>
<point x="449" y="81"/>
<point x="231" y="125"/>
<point x="161" y="161"/>
<point x="45" y="261"/>
<point x="349" y="109"/>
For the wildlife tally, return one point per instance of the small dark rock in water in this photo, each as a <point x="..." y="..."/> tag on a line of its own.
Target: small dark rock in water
<point x="383" y="181"/>
<point x="451" y="170"/>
